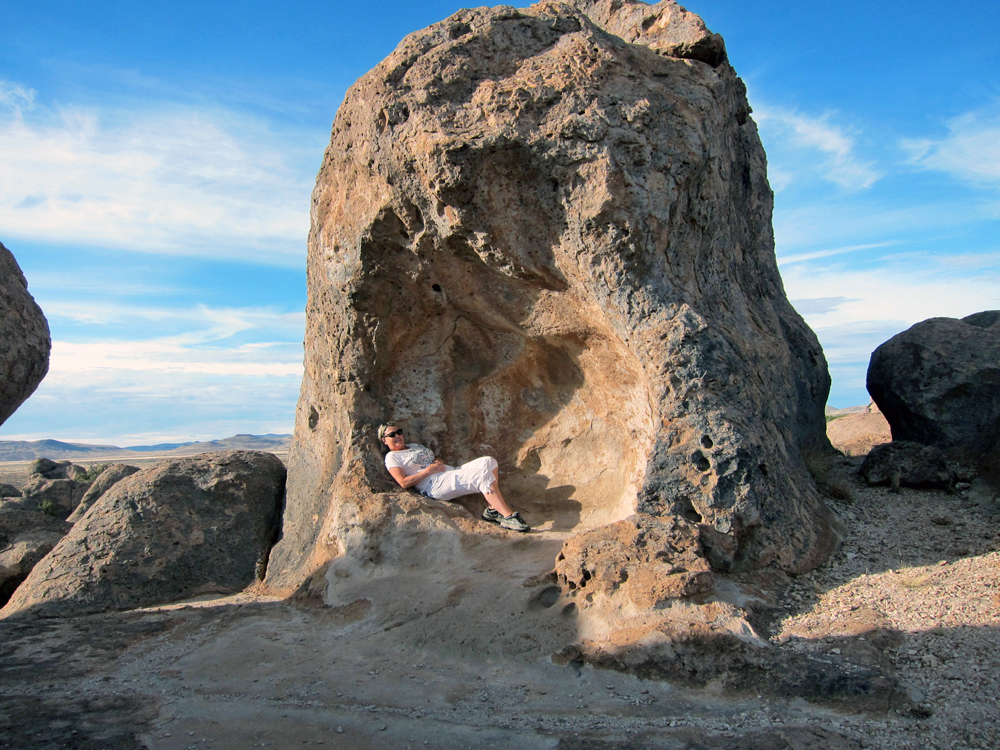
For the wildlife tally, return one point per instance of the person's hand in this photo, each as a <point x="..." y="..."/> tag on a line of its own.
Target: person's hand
<point x="436" y="467"/>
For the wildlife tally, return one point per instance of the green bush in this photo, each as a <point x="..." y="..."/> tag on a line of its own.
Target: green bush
<point x="93" y="471"/>
<point x="50" y="508"/>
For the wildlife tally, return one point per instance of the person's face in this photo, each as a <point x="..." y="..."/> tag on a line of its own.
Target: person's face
<point x="394" y="438"/>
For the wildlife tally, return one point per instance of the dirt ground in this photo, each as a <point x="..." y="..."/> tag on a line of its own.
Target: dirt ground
<point x="918" y="574"/>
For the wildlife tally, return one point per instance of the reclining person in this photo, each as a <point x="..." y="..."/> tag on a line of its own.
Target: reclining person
<point x="414" y="465"/>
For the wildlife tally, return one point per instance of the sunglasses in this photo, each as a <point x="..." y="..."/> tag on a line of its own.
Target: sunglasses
<point x="393" y="434"/>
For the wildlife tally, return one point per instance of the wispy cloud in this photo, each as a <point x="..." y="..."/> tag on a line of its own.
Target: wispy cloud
<point x="157" y="178"/>
<point x="800" y="144"/>
<point x="217" y="371"/>
<point x="200" y="323"/>
<point x="970" y="151"/>
<point x="801" y="257"/>
<point x="885" y="298"/>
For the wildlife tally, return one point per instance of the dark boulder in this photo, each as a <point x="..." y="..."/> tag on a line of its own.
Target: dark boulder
<point x="905" y="464"/>
<point x="938" y="383"/>
<point x="24" y="338"/>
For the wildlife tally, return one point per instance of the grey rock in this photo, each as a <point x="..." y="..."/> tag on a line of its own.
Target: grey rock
<point x="42" y="467"/>
<point x="24" y="338"/>
<point x="938" y="383"/>
<point x="25" y="538"/>
<point x="547" y="237"/>
<point x="104" y="481"/>
<point x="906" y="464"/>
<point x="61" y="494"/>
<point x="183" y="527"/>
<point x="9" y="490"/>
<point x="20" y="556"/>
<point x="45" y="467"/>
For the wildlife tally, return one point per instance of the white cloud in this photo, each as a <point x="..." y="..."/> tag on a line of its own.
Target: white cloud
<point x="893" y="295"/>
<point x="77" y="363"/>
<point x="798" y="144"/>
<point x="970" y="151"/>
<point x="220" y="371"/>
<point x="204" y="340"/>
<point x="168" y="178"/>
<point x="801" y="257"/>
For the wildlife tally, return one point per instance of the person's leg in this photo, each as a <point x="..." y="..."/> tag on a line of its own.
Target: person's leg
<point x="496" y="501"/>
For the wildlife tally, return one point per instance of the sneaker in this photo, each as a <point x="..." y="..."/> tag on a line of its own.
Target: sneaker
<point x="493" y="516"/>
<point x="513" y="522"/>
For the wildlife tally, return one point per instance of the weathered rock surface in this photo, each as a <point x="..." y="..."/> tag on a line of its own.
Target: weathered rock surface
<point x="25" y="538"/>
<point x="938" y="383"/>
<point x="905" y="464"/>
<point x="183" y="527"/>
<point x="856" y="434"/>
<point x="54" y="486"/>
<point x="24" y="338"/>
<point x="642" y="561"/>
<point x="112" y="474"/>
<point x="547" y="237"/>
<point x="9" y="490"/>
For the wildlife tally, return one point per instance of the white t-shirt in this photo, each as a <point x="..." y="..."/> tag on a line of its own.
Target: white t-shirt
<point x="411" y="459"/>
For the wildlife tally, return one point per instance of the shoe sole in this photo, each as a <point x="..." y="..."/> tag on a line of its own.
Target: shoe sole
<point x="521" y="531"/>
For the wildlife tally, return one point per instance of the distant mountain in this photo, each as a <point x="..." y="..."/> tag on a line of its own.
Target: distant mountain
<point x="22" y="450"/>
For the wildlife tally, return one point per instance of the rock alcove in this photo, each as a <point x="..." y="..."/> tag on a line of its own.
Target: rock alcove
<point x="544" y="234"/>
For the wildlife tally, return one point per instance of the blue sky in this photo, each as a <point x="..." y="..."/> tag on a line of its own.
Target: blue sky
<point x="156" y="161"/>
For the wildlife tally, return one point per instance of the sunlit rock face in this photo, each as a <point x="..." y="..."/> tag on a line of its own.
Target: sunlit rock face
<point x="24" y="338"/>
<point x="545" y="235"/>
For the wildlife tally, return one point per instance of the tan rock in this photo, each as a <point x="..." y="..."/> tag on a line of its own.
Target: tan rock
<point x="538" y="240"/>
<point x="641" y="561"/>
<point x="856" y="434"/>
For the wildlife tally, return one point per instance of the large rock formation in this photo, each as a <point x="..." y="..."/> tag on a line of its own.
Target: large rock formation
<point x="54" y="486"/>
<point x="905" y="464"/>
<point x="545" y="235"/>
<point x="24" y="338"/>
<point x="938" y="383"/>
<point x="856" y="434"/>
<point x="26" y="536"/>
<point x="180" y="528"/>
<point x="112" y="474"/>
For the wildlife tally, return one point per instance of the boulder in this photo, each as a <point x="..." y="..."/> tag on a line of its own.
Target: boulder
<point x="938" y="383"/>
<point x="112" y="474"/>
<point x="905" y="464"/>
<point x="24" y="338"/>
<point x="856" y="434"/>
<point x="642" y="561"/>
<point x="52" y="495"/>
<point x="183" y="527"/>
<point x="46" y="467"/>
<point x="55" y="487"/>
<point x="545" y="235"/>
<point x="25" y="538"/>
<point x="9" y="490"/>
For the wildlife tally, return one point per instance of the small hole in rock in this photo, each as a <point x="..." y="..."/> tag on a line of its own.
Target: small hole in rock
<point x="436" y="287"/>
<point x="706" y="441"/>
<point x="700" y="461"/>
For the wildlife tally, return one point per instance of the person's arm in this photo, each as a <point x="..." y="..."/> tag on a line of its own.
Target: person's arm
<point x="409" y="481"/>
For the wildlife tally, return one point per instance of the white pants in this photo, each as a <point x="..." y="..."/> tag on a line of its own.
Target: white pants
<point x="467" y="479"/>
